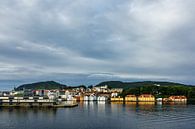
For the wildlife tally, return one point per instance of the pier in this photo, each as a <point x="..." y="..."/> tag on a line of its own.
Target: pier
<point x="34" y="102"/>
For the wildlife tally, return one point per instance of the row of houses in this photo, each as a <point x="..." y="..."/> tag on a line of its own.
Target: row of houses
<point x="100" y="93"/>
<point x="106" y="89"/>
<point x="149" y="98"/>
<point x="134" y="98"/>
<point x="131" y="98"/>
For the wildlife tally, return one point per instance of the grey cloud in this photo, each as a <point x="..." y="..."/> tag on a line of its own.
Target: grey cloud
<point x="127" y="40"/>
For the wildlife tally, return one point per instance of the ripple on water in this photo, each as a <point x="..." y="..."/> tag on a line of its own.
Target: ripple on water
<point x="174" y="117"/>
<point x="104" y="116"/>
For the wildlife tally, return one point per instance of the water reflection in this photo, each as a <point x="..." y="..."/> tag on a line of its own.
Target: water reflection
<point x="131" y="105"/>
<point x="115" y="102"/>
<point x="104" y="115"/>
<point x="101" y="106"/>
<point x="175" y="103"/>
<point x="147" y="106"/>
<point x="25" y="111"/>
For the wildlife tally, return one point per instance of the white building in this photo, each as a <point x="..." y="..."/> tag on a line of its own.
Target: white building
<point x="86" y="98"/>
<point x="103" y="89"/>
<point x="92" y="98"/>
<point x="102" y="98"/>
<point x="114" y="94"/>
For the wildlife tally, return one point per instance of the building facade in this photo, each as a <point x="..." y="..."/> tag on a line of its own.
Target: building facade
<point x="146" y="98"/>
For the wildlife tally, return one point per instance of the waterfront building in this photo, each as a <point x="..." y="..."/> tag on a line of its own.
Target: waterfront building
<point x="159" y="99"/>
<point x="52" y="96"/>
<point x="5" y="93"/>
<point x="146" y="98"/>
<point x="131" y="98"/>
<point x="101" y="98"/>
<point x="116" y="90"/>
<point x="70" y="98"/>
<point x="16" y="93"/>
<point x="92" y="97"/>
<point x="103" y="89"/>
<point x="177" y="98"/>
<point x="119" y="98"/>
<point x="38" y="92"/>
<point x="86" y="98"/>
<point x="114" y="94"/>
<point x="88" y="90"/>
<point x="79" y="89"/>
<point x="67" y="93"/>
<point x="79" y="98"/>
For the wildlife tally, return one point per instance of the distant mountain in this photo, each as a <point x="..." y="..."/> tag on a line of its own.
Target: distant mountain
<point x="49" y="85"/>
<point x="126" y="85"/>
<point x="111" y="84"/>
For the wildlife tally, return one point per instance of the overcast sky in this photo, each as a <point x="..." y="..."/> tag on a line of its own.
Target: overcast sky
<point x="87" y="41"/>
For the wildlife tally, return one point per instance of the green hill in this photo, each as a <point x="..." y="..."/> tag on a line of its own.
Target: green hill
<point x="126" y="85"/>
<point x="159" y="89"/>
<point x="48" y="85"/>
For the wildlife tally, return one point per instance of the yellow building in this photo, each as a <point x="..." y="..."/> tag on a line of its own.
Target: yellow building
<point x="146" y="98"/>
<point x="116" y="98"/>
<point x="131" y="98"/>
<point x="79" y="98"/>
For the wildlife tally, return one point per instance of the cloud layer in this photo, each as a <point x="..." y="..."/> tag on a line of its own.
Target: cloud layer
<point x="97" y="40"/>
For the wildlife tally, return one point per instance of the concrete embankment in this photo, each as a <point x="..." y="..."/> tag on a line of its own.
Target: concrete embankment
<point x="33" y="102"/>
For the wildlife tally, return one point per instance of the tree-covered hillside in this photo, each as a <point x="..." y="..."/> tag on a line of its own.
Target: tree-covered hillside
<point x="158" y="89"/>
<point x="42" y="85"/>
<point x="126" y="85"/>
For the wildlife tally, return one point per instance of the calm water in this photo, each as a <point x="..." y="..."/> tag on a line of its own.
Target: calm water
<point x="93" y="115"/>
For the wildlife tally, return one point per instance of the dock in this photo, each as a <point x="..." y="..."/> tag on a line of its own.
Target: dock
<point x="34" y="102"/>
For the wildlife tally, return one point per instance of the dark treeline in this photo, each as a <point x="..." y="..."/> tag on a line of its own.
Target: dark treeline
<point x="161" y="91"/>
<point x="158" y="89"/>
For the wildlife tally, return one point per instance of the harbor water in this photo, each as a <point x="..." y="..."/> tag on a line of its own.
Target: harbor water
<point x="101" y="115"/>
